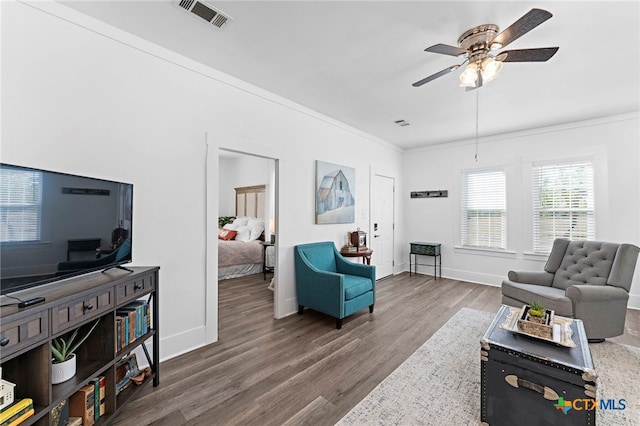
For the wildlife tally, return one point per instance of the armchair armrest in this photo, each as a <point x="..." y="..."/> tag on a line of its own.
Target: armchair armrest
<point x="351" y="268"/>
<point x="586" y="293"/>
<point x="537" y="278"/>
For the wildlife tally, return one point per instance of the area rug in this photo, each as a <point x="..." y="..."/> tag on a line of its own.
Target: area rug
<point x="440" y="382"/>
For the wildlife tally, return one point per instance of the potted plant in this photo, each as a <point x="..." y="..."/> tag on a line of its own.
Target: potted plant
<point x="537" y="312"/>
<point x="535" y="319"/>
<point x="63" y="366"/>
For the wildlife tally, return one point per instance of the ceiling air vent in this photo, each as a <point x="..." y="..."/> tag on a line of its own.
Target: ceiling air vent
<point x="206" y="12"/>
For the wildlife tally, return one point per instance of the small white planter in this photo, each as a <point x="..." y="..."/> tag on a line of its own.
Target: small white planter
<point x="63" y="371"/>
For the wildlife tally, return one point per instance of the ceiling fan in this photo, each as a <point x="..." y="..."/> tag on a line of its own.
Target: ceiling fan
<point x="478" y="44"/>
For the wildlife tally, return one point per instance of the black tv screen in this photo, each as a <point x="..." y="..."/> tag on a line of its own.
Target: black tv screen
<point x="57" y="225"/>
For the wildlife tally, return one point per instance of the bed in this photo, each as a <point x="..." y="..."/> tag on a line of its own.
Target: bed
<point x="239" y="258"/>
<point x="240" y="248"/>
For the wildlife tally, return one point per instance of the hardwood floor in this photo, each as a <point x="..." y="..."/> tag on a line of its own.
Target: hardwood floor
<point x="300" y="370"/>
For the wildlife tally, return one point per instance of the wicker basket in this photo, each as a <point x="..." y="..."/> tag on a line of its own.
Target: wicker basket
<point x="544" y="330"/>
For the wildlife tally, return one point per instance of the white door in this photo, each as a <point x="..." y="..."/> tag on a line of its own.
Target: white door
<point x="382" y="211"/>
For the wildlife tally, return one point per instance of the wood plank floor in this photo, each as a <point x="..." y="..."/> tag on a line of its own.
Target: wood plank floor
<point x="300" y="370"/>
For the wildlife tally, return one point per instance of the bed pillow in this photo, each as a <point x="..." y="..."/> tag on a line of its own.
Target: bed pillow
<point x="257" y="226"/>
<point x="244" y="234"/>
<point x="231" y="226"/>
<point x="241" y="221"/>
<point x="256" y="231"/>
<point x="227" y="234"/>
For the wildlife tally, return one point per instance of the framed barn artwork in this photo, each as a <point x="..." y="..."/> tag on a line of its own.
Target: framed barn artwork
<point x="335" y="193"/>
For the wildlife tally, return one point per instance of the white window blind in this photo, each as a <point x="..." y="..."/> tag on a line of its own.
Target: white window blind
<point x="562" y="203"/>
<point x="20" y="205"/>
<point x="484" y="209"/>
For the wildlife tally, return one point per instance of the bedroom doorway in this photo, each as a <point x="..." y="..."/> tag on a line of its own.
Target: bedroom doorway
<point x="247" y="213"/>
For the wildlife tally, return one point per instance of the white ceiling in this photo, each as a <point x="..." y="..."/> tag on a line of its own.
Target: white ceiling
<point x="355" y="61"/>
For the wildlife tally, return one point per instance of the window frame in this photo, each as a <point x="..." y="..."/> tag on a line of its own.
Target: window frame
<point x="21" y="203"/>
<point x="538" y="243"/>
<point x="465" y="242"/>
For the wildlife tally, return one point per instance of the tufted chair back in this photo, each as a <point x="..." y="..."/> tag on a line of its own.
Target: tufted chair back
<point x="581" y="262"/>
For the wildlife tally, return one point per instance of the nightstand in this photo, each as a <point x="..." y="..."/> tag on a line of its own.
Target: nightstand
<point x="266" y="268"/>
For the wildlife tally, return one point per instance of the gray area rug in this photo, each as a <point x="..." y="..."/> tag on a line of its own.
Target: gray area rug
<point x="440" y="382"/>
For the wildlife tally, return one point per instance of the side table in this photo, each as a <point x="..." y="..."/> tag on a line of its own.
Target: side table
<point x="266" y="268"/>
<point x="419" y="248"/>
<point x="364" y="254"/>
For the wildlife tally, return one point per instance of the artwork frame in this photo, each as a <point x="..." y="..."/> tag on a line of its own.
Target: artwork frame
<point x="334" y="193"/>
<point x="125" y="370"/>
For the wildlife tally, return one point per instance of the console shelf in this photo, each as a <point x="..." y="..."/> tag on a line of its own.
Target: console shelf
<point x="26" y="335"/>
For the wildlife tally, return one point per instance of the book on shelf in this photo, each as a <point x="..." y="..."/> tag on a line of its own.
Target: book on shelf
<point x="99" y="397"/>
<point x="81" y="404"/>
<point x="119" y="335"/>
<point x="95" y="382"/>
<point x="103" y="394"/>
<point x="60" y="413"/>
<point x="143" y="317"/>
<point x="130" y="318"/>
<point x="75" y="421"/>
<point x="18" y="407"/>
<point x="24" y="416"/>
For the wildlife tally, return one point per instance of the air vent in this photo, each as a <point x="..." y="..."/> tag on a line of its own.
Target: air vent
<point x="205" y="11"/>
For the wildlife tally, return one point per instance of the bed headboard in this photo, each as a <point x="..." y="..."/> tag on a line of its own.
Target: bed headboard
<point x="251" y="201"/>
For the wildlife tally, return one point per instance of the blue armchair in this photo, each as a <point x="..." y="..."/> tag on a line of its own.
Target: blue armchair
<point x="328" y="283"/>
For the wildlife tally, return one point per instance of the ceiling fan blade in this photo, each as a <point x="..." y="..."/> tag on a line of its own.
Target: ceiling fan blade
<point x="541" y="54"/>
<point x="526" y="23"/>
<point x="446" y="49"/>
<point x="436" y="75"/>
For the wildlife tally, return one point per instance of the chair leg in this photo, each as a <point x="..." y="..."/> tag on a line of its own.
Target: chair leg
<point x="338" y="323"/>
<point x="371" y="309"/>
<point x="300" y="309"/>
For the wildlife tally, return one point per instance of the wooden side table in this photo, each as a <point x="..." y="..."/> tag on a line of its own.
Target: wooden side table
<point x="426" y="249"/>
<point x="364" y="254"/>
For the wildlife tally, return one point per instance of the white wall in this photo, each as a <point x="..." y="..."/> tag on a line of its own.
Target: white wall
<point x="235" y="172"/>
<point x="614" y="145"/>
<point x="82" y="97"/>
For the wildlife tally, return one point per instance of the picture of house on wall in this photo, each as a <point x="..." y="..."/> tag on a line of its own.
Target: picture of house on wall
<point x="335" y="190"/>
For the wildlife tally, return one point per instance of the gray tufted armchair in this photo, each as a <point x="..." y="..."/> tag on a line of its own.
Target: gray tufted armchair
<point x="589" y="280"/>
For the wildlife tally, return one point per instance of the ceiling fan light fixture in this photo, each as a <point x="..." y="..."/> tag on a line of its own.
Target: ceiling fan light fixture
<point x="495" y="46"/>
<point x="490" y="69"/>
<point x="469" y="76"/>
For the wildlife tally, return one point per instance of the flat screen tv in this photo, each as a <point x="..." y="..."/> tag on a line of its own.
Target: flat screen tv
<point x="57" y="225"/>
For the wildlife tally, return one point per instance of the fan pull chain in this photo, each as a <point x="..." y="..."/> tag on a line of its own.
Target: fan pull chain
<point x="477" y="107"/>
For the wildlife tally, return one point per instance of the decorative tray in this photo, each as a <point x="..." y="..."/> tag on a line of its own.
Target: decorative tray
<point x="561" y="329"/>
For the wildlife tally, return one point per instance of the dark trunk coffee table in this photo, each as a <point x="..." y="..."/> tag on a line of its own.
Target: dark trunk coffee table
<point x="525" y="380"/>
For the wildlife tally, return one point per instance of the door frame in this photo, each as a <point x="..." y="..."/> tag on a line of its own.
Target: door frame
<point x="372" y="175"/>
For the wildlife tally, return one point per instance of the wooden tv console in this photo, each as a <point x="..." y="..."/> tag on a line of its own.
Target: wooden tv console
<point x="26" y="335"/>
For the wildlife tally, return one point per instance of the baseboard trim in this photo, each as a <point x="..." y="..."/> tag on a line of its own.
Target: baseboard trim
<point x="178" y="344"/>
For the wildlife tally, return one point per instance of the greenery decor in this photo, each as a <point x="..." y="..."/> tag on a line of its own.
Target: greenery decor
<point x="63" y="348"/>
<point x="223" y="220"/>
<point x="537" y="309"/>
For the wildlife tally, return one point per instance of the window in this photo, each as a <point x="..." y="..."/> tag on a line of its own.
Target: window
<point x="484" y="209"/>
<point x="20" y="205"/>
<point x="562" y="203"/>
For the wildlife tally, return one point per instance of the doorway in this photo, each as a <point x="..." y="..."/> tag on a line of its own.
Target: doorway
<point x="247" y="187"/>
<point x="382" y="220"/>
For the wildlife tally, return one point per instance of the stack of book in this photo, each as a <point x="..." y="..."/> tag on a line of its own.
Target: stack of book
<point x="17" y="412"/>
<point x="89" y="402"/>
<point x="132" y="321"/>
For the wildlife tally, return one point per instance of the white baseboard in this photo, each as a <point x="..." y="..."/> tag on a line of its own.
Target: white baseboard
<point x="634" y="301"/>
<point x="181" y="343"/>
